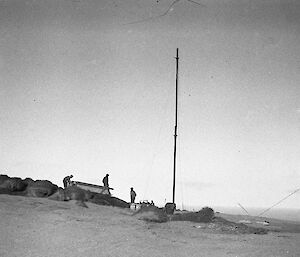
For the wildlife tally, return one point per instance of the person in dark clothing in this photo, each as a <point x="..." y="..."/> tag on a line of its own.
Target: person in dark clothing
<point x="105" y="184"/>
<point x="67" y="181"/>
<point x="105" y="181"/>
<point x="132" y="195"/>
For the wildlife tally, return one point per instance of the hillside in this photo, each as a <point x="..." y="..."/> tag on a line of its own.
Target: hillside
<point x="42" y="227"/>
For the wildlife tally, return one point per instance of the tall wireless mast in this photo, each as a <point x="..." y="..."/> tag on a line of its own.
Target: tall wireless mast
<point x="175" y="129"/>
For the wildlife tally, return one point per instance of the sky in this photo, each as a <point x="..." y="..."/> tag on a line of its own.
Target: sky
<point x="88" y="88"/>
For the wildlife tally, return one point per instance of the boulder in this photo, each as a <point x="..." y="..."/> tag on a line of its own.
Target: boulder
<point x="152" y="214"/>
<point x="103" y="199"/>
<point x="3" y="178"/>
<point x="59" y="195"/>
<point x="170" y="208"/>
<point x="41" y="188"/>
<point x="76" y="193"/>
<point x="13" y="185"/>
<point x="28" y="181"/>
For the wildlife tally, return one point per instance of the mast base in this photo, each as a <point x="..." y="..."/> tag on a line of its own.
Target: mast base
<point x="170" y="208"/>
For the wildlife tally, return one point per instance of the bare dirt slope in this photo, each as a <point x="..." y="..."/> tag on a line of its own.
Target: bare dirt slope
<point x="35" y="227"/>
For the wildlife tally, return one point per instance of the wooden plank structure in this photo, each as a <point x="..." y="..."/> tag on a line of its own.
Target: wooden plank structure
<point x="93" y="188"/>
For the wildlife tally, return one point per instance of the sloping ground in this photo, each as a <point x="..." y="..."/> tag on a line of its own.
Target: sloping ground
<point x="46" y="189"/>
<point x="274" y="225"/>
<point x="34" y="227"/>
<point x="207" y="217"/>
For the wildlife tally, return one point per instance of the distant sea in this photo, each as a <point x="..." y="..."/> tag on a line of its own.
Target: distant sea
<point x="276" y="213"/>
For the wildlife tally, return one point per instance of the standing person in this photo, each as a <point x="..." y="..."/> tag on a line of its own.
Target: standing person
<point x="132" y="195"/>
<point x="105" y="184"/>
<point x="67" y="181"/>
<point x="105" y="181"/>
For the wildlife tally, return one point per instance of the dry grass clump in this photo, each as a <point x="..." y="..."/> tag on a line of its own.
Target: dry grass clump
<point x="204" y="215"/>
<point x="216" y="224"/>
<point x="223" y="225"/>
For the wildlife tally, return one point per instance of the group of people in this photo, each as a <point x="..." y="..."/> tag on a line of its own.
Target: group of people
<point x="106" y="186"/>
<point x="67" y="182"/>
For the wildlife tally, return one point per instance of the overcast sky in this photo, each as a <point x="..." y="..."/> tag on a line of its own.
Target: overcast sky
<point x="87" y="88"/>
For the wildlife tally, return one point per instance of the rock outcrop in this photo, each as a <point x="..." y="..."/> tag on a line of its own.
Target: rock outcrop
<point x="152" y="213"/>
<point x="11" y="185"/>
<point x="45" y="188"/>
<point x="41" y="188"/>
<point x="103" y="199"/>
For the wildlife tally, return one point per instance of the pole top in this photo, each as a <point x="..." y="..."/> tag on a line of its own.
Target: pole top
<point x="177" y="53"/>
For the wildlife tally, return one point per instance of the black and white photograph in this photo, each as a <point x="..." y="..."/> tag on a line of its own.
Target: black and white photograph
<point x="144" y="128"/>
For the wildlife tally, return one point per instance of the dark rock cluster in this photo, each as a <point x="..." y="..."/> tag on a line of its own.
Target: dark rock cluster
<point x="44" y="188"/>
